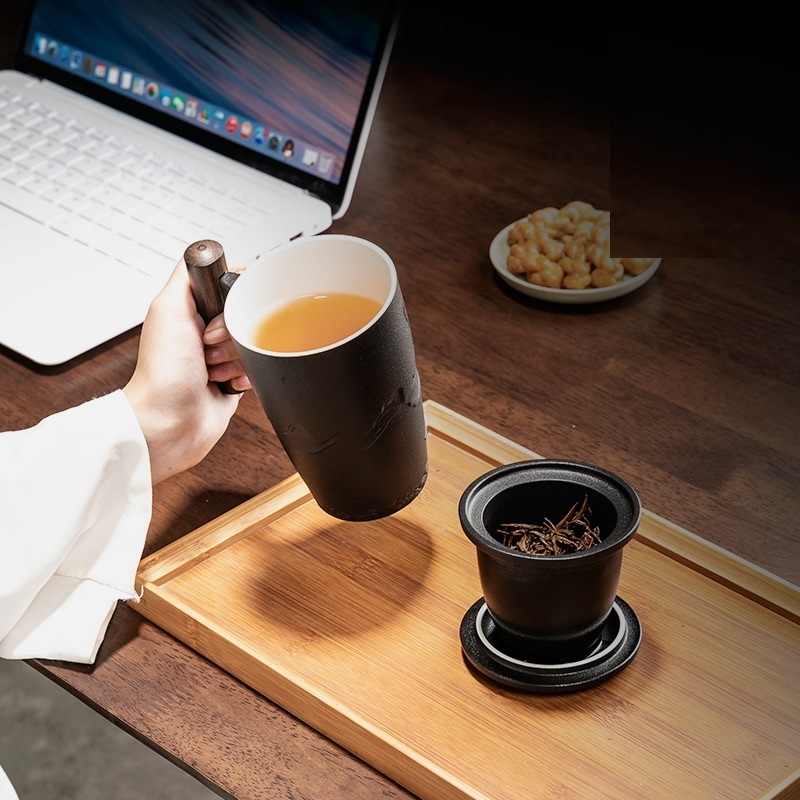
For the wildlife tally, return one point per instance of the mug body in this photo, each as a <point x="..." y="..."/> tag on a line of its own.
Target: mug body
<point x="349" y="414"/>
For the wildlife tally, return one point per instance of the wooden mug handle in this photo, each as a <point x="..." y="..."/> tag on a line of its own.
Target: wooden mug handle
<point x="205" y="262"/>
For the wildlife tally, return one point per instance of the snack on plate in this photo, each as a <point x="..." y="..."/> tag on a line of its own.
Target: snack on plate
<point x="568" y="248"/>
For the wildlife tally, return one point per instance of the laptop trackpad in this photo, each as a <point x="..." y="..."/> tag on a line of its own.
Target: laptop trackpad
<point x="60" y="298"/>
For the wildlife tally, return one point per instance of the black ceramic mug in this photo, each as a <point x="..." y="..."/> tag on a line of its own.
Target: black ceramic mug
<point x="349" y="414"/>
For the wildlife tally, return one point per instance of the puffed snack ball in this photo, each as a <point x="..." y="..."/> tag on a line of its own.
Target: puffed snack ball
<point x="568" y="248"/>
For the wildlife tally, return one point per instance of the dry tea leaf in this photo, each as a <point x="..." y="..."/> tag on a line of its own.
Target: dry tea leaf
<point x="572" y="534"/>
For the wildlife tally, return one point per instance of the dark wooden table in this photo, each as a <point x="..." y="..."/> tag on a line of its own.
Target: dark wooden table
<point x="689" y="387"/>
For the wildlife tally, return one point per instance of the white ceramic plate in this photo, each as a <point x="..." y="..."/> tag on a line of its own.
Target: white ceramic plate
<point x="498" y="253"/>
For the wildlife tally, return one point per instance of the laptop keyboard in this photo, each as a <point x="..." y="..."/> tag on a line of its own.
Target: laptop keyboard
<point x="137" y="207"/>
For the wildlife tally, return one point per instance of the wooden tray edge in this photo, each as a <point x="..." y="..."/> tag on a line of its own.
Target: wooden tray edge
<point x="202" y="543"/>
<point x="722" y="566"/>
<point x="786" y="789"/>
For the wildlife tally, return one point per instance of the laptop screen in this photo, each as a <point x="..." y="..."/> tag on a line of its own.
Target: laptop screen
<point x="283" y="85"/>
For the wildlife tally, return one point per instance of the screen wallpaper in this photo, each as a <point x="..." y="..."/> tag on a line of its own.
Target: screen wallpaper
<point x="284" y="77"/>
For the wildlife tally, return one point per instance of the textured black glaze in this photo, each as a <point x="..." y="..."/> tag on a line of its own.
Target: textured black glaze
<point x="548" y="606"/>
<point x="350" y="418"/>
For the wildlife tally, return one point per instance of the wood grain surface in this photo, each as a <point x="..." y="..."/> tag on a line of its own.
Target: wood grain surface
<point x="354" y="627"/>
<point x="689" y="388"/>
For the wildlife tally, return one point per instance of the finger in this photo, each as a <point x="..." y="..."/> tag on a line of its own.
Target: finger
<point x="229" y="371"/>
<point x="177" y="291"/>
<point x="216" y="332"/>
<point x="178" y="281"/>
<point x="220" y="353"/>
<point x="241" y="383"/>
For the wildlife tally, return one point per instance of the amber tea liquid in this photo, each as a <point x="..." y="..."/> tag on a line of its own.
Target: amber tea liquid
<point x="313" y="321"/>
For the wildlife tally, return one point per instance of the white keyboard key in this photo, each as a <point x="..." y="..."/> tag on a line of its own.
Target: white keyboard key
<point x="67" y="156"/>
<point x="83" y="144"/>
<point x="189" y="231"/>
<point x="16" y="133"/>
<point x="38" y="184"/>
<point x="29" y="204"/>
<point x="146" y="261"/>
<point x="138" y="257"/>
<point x="164" y="199"/>
<point x="29" y="119"/>
<point x="122" y="181"/>
<point x="35" y="141"/>
<point x="67" y="198"/>
<point x="244" y="214"/>
<point x="68" y="177"/>
<point x="136" y="168"/>
<point x="165" y="244"/>
<point x="50" y="149"/>
<point x="93" y="209"/>
<point x="18" y="177"/>
<point x="11" y="150"/>
<point x="30" y="160"/>
<point x="100" y="136"/>
<point x="84" y="129"/>
<point x="205" y="218"/>
<point x="106" y="194"/>
<point x="119" y="222"/>
<point x="48" y="127"/>
<point x="65" y="134"/>
<point x="86" y="186"/>
<point x="88" y="165"/>
<point x="145" y="181"/>
<point x="73" y="226"/>
<point x="143" y="212"/>
<point x="126" y="203"/>
<point x="56" y="194"/>
<point x="103" y="151"/>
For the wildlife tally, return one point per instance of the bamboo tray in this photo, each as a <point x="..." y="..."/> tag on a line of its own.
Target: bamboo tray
<point x="354" y="628"/>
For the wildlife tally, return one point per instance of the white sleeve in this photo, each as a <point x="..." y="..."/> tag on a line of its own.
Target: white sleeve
<point x="75" y="505"/>
<point x="7" y="791"/>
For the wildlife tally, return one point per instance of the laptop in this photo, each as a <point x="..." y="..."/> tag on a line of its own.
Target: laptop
<point x="130" y="130"/>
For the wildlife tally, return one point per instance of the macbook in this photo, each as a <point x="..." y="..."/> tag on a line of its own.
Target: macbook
<point x="129" y="130"/>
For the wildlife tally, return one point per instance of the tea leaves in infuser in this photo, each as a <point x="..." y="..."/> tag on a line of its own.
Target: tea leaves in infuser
<point x="572" y="534"/>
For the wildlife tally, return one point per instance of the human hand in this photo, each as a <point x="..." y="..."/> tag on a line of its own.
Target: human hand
<point x="173" y="390"/>
<point x="223" y="363"/>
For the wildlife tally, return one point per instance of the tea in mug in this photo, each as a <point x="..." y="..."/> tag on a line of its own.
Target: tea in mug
<point x="313" y="321"/>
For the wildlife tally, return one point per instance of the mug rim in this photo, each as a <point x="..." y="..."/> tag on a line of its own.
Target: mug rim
<point x="311" y="241"/>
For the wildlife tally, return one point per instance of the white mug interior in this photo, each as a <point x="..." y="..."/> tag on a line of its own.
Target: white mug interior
<point x="323" y="264"/>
